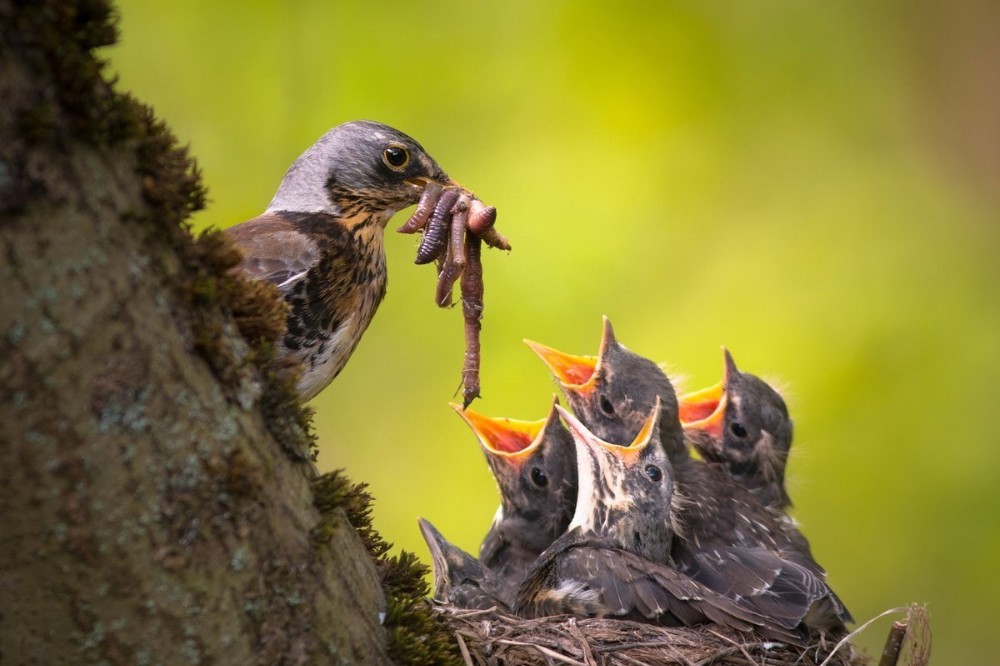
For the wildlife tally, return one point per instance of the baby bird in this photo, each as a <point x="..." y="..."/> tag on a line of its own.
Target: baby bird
<point x="742" y="423"/>
<point x="534" y="464"/>
<point x="603" y="566"/>
<point x="725" y="537"/>
<point x="459" y="578"/>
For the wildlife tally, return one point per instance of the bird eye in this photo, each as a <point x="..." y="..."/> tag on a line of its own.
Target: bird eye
<point x="738" y="430"/>
<point x="396" y="157"/>
<point x="538" y="477"/>
<point x="606" y="405"/>
<point x="654" y="473"/>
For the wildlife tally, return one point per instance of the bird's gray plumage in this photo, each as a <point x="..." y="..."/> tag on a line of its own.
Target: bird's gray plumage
<point x="459" y="578"/>
<point x="717" y="523"/>
<point x="754" y="435"/>
<point x="347" y="158"/>
<point x="604" y="566"/>
<point x="537" y="485"/>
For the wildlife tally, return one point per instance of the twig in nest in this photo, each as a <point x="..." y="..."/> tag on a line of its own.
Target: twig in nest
<point x="574" y="629"/>
<point x="893" y="644"/>
<point x="464" y="649"/>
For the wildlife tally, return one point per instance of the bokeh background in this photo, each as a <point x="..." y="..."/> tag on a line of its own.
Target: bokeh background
<point x="814" y="185"/>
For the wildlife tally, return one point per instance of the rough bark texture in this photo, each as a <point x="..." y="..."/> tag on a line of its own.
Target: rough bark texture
<point x="152" y="512"/>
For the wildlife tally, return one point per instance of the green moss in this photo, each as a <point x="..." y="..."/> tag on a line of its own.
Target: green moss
<point x="220" y="306"/>
<point x="57" y="38"/>
<point x="416" y="635"/>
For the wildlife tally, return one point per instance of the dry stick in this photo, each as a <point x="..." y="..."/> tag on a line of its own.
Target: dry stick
<point x="857" y="631"/>
<point x="472" y="612"/>
<point x="464" y="650"/>
<point x="893" y="644"/>
<point x="734" y="643"/>
<point x="710" y="659"/>
<point x="574" y="629"/>
<point x="632" y="660"/>
<point x="544" y="650"/>
<point x="472" y="312"/>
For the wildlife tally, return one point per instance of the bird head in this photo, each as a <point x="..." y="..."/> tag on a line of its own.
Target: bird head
<point x="453" y="567"/>
<point x="360" y="166"/>
<point x="613" y="392"/>
<point x="534" y="463"/>
<point x="741" y="422"/>
<point x="624" y="492"/>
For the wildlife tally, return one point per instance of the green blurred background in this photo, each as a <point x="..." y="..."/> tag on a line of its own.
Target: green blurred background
<point x="814" y="185"/>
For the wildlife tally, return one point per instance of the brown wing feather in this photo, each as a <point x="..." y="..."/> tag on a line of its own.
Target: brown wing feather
<point x="274" y="250"/>
<point x="591" y="580"/>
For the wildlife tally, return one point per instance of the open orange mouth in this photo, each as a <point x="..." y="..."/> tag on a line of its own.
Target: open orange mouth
<point x="510" y="439"/>
<point x="569" y="369"/>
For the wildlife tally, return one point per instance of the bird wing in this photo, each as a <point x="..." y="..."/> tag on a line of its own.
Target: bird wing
<point x="765" y="582"/>
<point x="596" y="580"/>
<point x="274" y="250"/>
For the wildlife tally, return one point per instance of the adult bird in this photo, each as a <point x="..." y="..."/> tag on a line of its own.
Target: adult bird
<point x="534" y="464"/>
<point x="742" y="423"/>
<point x="321" y="239"/>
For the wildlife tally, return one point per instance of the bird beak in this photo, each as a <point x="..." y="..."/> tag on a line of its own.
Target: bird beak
<point x="629" y="454"/>
<point x="698" y="405"/>
<point x="436" y="544"/>
<point x="705" y="410"/>
<point x="572" y="372"/>
<point x="597" y="459"/>
<point x="421" y="182"/>
<point x="576" y="374"/>
<point x="510" y="440"/>
<point x="608" y="339"/>
<point x="439" y="177"/>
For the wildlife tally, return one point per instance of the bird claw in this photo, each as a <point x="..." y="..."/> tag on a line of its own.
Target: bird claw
<point x="455" y="224"/>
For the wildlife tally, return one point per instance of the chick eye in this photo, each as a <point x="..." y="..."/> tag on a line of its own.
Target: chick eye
<point x="538" y="477"/>
<point x="396" y="157"/>
<point x="738" y="430"/>
<point x="654" y="473"/>
<point x="606" y="406"/>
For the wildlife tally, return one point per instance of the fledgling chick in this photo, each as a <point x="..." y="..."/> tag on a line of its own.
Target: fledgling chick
<point x="611" y="393"/>
<point x="743" y="424"/>
<point x="534" y="464"/>
<point x="725" y="537"/>
<point x="320" y="241"/>
<point x="603" y="566"/>
<point x="459" y="578"/>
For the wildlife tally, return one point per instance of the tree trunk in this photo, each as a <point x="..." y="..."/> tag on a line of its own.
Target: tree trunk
<point x="151" y="512"/>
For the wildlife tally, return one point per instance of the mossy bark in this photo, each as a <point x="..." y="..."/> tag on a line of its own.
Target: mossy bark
<point x="150" y="514"/>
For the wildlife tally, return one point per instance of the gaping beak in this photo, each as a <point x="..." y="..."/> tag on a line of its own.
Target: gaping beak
<point x="629" y="454"/>
<point x="705" y="410"/>
<point x="699" y="405"/>
<point x="507" y="439"/>
<point x="572" y="372"/>
<point x="576" y="374"/>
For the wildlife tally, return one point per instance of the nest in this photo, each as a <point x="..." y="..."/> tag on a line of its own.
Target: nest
<point x="490" y="637"/>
